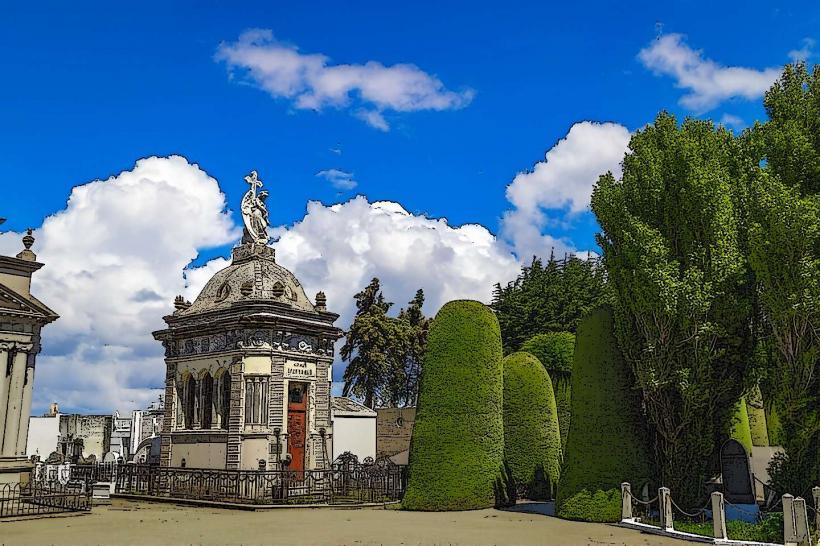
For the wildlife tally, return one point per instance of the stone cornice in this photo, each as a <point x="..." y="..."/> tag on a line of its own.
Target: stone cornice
<point x="16" y="266"/>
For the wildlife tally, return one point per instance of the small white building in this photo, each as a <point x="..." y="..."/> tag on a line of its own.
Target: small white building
<point x="354" y="428"/>
<point x="43" y="433"/>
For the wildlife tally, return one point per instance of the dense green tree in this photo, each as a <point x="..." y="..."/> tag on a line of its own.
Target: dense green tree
<point x="785" y="257"/>
<point x="607" y="440"/>
<point x="532" y="440"/>
<point x="457" y="449"/>
<point x="374" y="347"/>
<point x="404" y="382"/>
<point x="757" y="417"/>
<point x="673" y="250"/>
<point x="549" y="297"/>
<point x="741" y="430"/>
<point x="555" y="351"/>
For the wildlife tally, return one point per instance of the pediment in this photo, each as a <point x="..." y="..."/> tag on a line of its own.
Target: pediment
<point x="17" y="304"/>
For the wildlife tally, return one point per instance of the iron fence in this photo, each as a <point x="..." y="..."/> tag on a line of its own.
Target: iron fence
<point x="94" y="472"/>
<point x="33" y="499"/>
<point x="349" y="484"/>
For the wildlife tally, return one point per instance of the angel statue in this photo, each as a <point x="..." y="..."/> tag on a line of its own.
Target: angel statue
<point x="254" y="212"/>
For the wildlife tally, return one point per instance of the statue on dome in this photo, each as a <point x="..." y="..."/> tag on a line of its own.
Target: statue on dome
<point x="254" y="212"/>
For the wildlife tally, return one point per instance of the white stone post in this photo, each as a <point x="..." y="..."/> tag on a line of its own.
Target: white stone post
<point x="626" y="502"/>
<point x="719" y="516"/>
<point x="15" y="402"/>
<point x="665" y="500"/>
<point x="789" y="529"/>
<point x="816" y="494"/>
<point x="801" y="522"/>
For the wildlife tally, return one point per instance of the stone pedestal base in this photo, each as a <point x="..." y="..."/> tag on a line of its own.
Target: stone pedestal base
<point x="15" y="470"/>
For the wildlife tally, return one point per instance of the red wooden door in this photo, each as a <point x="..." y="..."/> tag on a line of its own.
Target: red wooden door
<point x="297" y="425"/>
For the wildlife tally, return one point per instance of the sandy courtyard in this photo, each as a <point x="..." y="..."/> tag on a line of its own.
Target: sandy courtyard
<point x="143" y="524"/>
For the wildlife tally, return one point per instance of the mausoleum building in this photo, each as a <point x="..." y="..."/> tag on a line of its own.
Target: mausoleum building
<point x="248" y="364"/>
<point x="22" y="316"/>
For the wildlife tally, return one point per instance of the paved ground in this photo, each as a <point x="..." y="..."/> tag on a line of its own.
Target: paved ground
<point x="140" y="523"/>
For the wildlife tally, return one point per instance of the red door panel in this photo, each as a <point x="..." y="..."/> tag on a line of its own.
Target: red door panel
<point x="297" y="425"/>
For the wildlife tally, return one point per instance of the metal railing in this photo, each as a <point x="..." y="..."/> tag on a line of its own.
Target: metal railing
<point x="95" y="472"/>
<point x="378" y="482"/>
<point x="34" y="499"/>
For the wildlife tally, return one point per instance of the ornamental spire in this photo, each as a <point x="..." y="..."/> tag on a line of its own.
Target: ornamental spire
<point x="254" y="212"/>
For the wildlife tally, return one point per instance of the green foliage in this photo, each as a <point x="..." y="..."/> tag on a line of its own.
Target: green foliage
<point x="740" y="426"/>
<point x="673" y="243"/>
<point x="556" y="350"/>
<point x="768" y="530"/>
<point x="785" y="257"/>
<point x="548" y="298"/>
<point x="532" y="441"/>
<point x="606" y="444"/>
<point x="774" y="427"/>
<point x="597" y="506"/>
<point x="384" y="353"/>
<point x="757" y="418"/>
<point x="457" y="450"/>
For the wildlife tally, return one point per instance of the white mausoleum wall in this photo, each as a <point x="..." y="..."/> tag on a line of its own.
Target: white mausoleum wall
<point x="43" y="435"/>
<point x="354" y="434"/>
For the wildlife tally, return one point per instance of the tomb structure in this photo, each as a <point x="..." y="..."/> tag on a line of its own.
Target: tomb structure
<point x="22" y="316"/>
<point x="248" y="364"/>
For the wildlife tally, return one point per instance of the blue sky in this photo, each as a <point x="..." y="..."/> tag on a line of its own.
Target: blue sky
<point x="88" y="89"/>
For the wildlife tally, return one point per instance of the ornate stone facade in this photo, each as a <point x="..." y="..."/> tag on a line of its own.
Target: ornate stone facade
<point x="22" y="316"/>
<point x="248" y="364"/>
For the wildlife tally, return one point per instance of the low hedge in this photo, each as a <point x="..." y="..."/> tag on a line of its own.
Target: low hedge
<point x="532" y="440"/>
<point x="607" y="440"/>
<point x="457" y="448"/>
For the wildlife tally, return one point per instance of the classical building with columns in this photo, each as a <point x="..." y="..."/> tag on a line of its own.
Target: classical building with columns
<point x="22" y="316"/>
<point x="248" y="364"/>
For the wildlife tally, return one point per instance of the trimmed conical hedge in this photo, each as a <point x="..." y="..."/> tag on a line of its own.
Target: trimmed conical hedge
<point x="532" y="440"/>
<point x="457" y="450"/>
<point x="740" y="426"/>
<point x="555" y="350"/>
<point x="607" y="443"/>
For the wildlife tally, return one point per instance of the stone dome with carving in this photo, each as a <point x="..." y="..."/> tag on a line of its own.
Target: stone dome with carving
<point x="253" y="276"/>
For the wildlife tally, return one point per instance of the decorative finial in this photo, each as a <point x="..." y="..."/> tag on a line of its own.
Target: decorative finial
<point x="181" y="303"/>
<point x="254" y="212"/>
<point x="321" y="301"/>
<point x="28" y="239"/>
<point x="26" y="254"/>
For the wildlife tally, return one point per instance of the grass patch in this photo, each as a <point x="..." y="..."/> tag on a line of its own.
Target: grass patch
<point x="769" y="529"/>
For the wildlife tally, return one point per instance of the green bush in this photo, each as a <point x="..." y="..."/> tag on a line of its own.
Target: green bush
<point x="532" y="441"/>
<point x="555" y="350"/>
<point x="740" y="426"/>
<point x="757" y="418"/>
<point x="457" y="449"/>
<point x="773" y="426"/>
<point x="607" y="443"/>
<point x="598" y="506"/>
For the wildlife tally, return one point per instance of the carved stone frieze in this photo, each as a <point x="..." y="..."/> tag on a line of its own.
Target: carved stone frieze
<point x="250" y="338"/>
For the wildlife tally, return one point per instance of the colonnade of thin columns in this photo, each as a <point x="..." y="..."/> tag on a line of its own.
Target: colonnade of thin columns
<point x="16" y="384"/>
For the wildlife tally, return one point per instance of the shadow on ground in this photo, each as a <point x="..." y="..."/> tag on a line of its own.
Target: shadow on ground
<point x="532" y="507"/>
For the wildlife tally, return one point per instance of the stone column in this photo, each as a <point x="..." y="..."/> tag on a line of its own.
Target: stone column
<point x="236" y="419"/>
<point x="14" y="408"/>
<point x="626" y="502"/>
<point x="28" y="388"/>
<point x="6" y="353"/>
<point x="665" y="499"/>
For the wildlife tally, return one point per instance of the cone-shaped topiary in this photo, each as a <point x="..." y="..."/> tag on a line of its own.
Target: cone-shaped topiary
<point x="457" y="449"/>
<point x="740" y="426"/>
<point x="555" y="351"/>
<point x="532" y="441"/>
<point x="757" y="418"/>
<point x="607" y="443"/>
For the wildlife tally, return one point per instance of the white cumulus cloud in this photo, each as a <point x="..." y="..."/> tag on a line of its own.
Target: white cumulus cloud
<point x="114" y="260"/>
<point x="708" y="82"/>
<point x="339" y="248"/>
<point x="561" y="185"/>
<point x="312" y="81"/>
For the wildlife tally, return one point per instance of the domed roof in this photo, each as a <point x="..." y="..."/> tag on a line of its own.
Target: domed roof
<point x="253" y="276"/>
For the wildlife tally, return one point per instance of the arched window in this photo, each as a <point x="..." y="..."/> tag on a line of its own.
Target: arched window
<point x="225" y="402"/>
<point x="190" y="401"/>
<point x="206" y="388"/>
